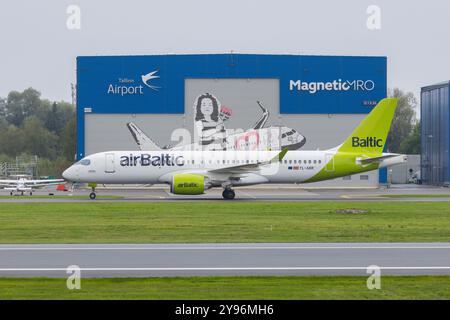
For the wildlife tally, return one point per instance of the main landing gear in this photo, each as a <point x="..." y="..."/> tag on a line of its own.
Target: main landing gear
<point x="228" y="194"/>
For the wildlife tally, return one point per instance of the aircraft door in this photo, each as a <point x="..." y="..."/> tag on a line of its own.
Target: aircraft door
<point x="329" y="160"/>
<point x="109" y="163"/>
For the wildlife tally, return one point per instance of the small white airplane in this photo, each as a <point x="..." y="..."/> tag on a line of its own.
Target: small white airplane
<point x="193" y="172"/>
<point x="23" y="183"/>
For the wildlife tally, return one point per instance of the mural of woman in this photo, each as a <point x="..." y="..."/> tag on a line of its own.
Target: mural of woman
<point x="208" y="123"/>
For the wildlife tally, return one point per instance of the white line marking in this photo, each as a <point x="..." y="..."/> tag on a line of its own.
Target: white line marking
<point x="213" y="248"/>
<point x="224" y="269"/>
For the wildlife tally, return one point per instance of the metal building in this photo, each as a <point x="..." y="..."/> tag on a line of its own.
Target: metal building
<point x="435" y="134"/>
<point x="322" y="97"/>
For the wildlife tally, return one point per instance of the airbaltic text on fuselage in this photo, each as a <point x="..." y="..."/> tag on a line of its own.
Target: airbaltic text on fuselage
<point x="367" y="142"/>
<point x="145" y="159"/>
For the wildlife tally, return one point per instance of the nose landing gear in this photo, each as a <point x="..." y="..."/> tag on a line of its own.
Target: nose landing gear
<point x="228" y="194"/>
<point x="92" y="195"/>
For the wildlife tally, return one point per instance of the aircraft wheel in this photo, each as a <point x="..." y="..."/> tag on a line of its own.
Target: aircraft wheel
<point x="228" y="194"/>
<point x="11" y="193"/>
<point x="22" y="193"/>
<point x="31" y="193"/>
<point x="92" y="195"/>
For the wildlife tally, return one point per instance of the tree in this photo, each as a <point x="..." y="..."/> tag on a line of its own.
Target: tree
<point x="411" y="145"/>
<point x="21" y="105"/>
<point x="38" y="140"/>
<point x="68" y="139"/>
<point x="11" y="141"/>
<point x="404" y="119"/>
<point x="3" y="108"/>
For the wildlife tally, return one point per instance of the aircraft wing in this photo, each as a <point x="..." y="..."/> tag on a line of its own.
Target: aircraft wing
<point x="43" y="183"/>
<point x="248" y="167"/>
<point x="8" y="182"/>
<point x="224" y="174"/>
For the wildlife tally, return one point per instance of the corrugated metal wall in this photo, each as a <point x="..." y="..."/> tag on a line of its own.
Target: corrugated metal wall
<point x="435" y="134"/>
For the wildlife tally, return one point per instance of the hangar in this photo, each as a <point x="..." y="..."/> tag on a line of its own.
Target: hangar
<point x="321" y="97"/>
<point x="435" y="134"/>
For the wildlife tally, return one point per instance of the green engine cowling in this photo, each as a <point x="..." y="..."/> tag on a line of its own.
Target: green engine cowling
<point x="189" y="183"/>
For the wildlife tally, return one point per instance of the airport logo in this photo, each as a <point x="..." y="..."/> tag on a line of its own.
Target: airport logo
<point x="128" y="86"/>
<point x="335" y="85"/>
<point x="371" y="142"/>
<point x="146" y="78"/>
<point x="146" y="160"/>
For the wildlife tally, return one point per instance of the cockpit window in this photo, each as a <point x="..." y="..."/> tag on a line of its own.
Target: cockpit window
<point x="84" y="162"/>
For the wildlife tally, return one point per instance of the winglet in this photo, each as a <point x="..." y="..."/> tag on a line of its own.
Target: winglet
<point x="280" y="156"/>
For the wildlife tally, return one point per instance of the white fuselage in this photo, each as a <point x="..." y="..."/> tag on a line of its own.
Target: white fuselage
<point x="140" y="167"/>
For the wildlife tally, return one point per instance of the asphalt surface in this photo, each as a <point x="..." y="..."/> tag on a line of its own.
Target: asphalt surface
<point x="140" y="260"/>
<point x="258" y="193"/>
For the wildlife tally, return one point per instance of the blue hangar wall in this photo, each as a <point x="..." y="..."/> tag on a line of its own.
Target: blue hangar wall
<point x="155" y="84"/>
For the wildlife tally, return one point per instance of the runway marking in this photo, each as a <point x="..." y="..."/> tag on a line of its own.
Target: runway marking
<point x="217" y="248"/>
<point x="224" y="269"/>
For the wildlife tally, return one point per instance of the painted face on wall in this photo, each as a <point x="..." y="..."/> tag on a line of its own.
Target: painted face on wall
<point x="207" y="107"/>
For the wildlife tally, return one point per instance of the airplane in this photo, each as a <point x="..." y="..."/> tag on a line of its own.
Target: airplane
<point x="256" y="138"/>
<point x="23" y="184"/>
<point x="193" y="172"/>
<point x="260" y="139"/>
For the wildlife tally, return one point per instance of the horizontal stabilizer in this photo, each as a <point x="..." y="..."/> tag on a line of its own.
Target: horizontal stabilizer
<point x="377" y="159"/>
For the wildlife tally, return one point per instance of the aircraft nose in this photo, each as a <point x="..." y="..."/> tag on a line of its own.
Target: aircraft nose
<point x="69" y="174"/>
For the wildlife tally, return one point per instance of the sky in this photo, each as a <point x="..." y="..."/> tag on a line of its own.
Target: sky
<point x="38" y="49"/>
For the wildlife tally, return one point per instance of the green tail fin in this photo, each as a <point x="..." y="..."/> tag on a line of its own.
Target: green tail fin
<point x="370" y="136"/>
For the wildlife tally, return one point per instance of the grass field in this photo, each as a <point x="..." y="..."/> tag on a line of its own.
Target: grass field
<point x="196" y="222"/>
<point x="417" y="287"/>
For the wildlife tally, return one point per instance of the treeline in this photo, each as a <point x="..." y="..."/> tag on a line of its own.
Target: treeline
<point x="404" y="135"/>
<point x="30" y="125"/>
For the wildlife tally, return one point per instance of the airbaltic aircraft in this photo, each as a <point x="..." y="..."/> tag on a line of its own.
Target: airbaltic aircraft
<point x="193" y="172"/>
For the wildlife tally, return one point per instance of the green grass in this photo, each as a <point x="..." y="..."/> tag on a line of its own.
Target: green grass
<point x="392" y="287"/>
<point x="200" y="222"/>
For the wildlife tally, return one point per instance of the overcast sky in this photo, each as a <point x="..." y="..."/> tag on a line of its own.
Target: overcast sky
<point x="38" y="50"/>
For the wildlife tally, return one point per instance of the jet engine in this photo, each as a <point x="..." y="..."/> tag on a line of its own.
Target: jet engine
<point x="190" y="184"/>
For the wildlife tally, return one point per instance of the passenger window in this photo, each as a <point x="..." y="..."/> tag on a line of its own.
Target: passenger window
<point x="309" y="161"/>
<point x="315" y="161"/>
